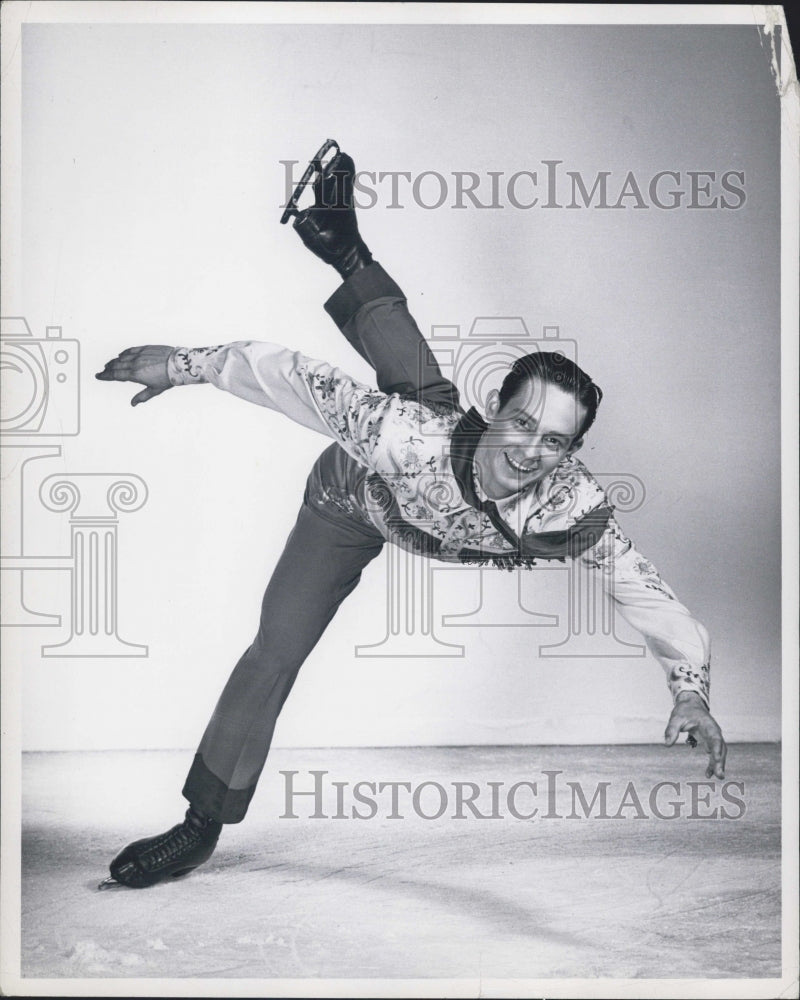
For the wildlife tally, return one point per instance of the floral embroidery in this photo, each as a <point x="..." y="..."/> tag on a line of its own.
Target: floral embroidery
<point x="559" y="497"/>
<point x="684" y="677"/>
<point x="416" y="512"/>
<point x="185" y="366"/>
<point x="412" y="461"/>
<point x="644" y="567"/>
<point x="499" y="562"/>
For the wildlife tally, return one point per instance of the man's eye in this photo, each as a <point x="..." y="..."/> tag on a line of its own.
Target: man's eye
<point x="522" y="422"/>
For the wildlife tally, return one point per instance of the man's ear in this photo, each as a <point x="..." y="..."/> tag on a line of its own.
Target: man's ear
<point x="576" y="445"/>
<point x="492" y="404"/>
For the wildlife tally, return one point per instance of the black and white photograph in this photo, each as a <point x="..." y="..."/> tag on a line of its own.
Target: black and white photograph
<point x="399" y="500"/>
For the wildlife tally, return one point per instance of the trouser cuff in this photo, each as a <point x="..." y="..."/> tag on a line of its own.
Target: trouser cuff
<point x="204" y="790"/>
<point x="366" y="285"/>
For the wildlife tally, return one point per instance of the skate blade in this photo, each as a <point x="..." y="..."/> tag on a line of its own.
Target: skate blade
<point x="315" y="165"/>
<point x="110" y="883"/>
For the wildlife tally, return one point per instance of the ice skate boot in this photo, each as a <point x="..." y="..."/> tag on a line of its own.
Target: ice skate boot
<point x="168" y="855"/>
<point x="329" y="228"/>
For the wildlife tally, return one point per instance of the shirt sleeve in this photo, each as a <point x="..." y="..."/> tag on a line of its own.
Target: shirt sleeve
<point x="679" y="642"/>
<point x="312" y="393"/>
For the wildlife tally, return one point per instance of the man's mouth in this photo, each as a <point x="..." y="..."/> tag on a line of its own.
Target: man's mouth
<point x="525" y="470"/>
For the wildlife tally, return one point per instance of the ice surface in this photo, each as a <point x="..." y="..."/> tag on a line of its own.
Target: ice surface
<point x="450" y="898"/>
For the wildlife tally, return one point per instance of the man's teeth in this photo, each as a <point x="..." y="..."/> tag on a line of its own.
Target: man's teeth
<point x="518" y="467"/>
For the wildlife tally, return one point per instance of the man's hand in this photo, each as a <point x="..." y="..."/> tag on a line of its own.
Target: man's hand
<point x="690" y="715"/>
<point x="147" y="365"/>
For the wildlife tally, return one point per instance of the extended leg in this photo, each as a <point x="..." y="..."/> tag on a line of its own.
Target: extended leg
<point x="320" y="566"/>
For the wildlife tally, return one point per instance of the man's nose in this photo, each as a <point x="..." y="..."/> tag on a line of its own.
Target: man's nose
<point x="533" y="446"/>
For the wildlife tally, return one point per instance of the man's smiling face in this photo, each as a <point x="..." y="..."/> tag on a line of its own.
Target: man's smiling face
<point x="526" y="439"/>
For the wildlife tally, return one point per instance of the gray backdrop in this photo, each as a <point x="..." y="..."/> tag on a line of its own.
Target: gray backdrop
<point x="151" y="188"/>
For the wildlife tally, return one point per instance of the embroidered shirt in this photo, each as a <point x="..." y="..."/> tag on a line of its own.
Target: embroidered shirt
<point x="410" y="473"/>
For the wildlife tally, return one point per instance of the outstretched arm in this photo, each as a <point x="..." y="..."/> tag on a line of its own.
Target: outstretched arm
<point x="312" y="393"/>
<point x="677" y="640"/>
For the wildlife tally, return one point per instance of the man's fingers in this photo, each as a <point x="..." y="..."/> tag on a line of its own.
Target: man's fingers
<point x="718" y="752"/>
<point x="147" y="365"/>
<point x="673" y="730"/>
<point x="717" y="749"/>
<point x="144" y="395"/>
<point x="115" y="371"/>
<point x="123" y="369"/>
<point x="128" y="354"/>
<point x="132" y="357"/>
<point x="109" y="368"/>
<point x="703" y="727"/>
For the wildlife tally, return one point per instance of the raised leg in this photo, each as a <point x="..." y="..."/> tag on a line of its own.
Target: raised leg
<point x="369" y="308"/>
<point x="371" y="311"/>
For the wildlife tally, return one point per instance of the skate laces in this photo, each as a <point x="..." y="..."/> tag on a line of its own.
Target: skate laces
<point x="175" y="842"/>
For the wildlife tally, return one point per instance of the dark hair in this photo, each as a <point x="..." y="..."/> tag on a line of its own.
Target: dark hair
<point x="553" y="368"/>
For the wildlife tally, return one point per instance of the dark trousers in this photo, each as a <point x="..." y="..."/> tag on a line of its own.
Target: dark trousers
<point x="320" y="565"/>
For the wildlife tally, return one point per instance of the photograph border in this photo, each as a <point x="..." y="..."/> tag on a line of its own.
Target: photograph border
<point x="17" y="13"/>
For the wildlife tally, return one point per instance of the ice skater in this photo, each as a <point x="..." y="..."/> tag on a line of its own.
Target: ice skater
<point x="408" y="466"/>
